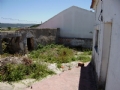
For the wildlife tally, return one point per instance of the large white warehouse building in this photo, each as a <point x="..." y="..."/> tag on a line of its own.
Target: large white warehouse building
<point x="73" y="22"/>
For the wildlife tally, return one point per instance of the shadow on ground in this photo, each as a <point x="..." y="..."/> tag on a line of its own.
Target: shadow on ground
<point x="87" y="79"/>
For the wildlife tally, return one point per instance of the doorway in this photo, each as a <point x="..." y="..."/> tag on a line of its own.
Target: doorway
<point x="30" y="44"/>
<point x="105" y="53"/>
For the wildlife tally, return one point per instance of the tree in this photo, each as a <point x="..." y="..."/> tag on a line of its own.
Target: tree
<point x="9" y="28"/>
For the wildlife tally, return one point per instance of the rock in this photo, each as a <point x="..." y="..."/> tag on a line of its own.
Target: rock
<point x="81" y="64"/>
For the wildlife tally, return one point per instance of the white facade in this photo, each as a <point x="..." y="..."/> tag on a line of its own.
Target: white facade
<point x="73" y="22"/>
<point x="106" y="59"/>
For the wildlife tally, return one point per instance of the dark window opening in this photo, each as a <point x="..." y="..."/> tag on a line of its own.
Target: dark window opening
<point x="96" y="40"/>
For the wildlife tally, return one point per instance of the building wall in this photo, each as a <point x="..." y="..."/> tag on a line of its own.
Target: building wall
<point x="97" y="54"/>
<point x="102" y="55"/>
<point x="73" y="22"/>
<point x="76" y="42"/>
<point x="110" y="73"/>
<point x="105" y="53"/>
<point x="113" y="14"/>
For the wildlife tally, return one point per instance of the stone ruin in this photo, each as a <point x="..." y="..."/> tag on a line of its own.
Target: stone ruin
<point x="24" y="40"/>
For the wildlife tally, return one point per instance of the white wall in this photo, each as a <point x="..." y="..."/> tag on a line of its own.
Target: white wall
<point x="105" y="52"/>
<point x="97" y="55"/>
<point x="73" y="22"/>
<point x="111" y="13"/>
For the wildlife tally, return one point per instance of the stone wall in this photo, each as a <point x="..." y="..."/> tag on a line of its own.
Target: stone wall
<point x="76" y="42"/>
<point x="29" y="39"/>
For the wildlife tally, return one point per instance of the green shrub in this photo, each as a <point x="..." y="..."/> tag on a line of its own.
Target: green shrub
<point x="53" y="54"/>
<point x="73" y="58"/>
<point x="87" y="53"/>
<point x="84" y="58"/>
<point x="59" y="65"/>
<point x="12" y="72"/>
<point x="90" y="53"/>
<point x="39" y="46"/>
<point x="57" y="54"/>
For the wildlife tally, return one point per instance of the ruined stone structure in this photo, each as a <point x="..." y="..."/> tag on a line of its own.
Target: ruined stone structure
<point x="23" y="40"/>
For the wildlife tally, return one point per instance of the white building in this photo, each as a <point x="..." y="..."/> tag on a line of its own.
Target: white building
<point x="73" y="22"/>
<point x="106" y="52"/>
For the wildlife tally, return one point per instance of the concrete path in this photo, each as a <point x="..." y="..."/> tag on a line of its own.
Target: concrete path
<point x="75" y="79"/>
<point x="67" y="80"/>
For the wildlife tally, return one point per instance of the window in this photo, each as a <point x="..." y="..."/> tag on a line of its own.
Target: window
<point x="96" y="40"/>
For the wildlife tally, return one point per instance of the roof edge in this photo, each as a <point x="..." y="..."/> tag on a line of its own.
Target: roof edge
<point x="92" y="4"/>
<point x="64" y="11"/>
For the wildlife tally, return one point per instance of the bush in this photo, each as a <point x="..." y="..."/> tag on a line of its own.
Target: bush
<point x="12" y="72"/>
<point x="39" y="46"/>
<point x="59" y="65"/>
<point x="87" y="52"/>
<point x="57" y="54"/>
<point x="53" y="54"/>
<point x="9" y="28"/>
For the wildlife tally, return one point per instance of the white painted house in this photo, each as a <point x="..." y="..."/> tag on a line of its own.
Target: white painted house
<point x="106" y="43"/>
<point x="73" y="22"/>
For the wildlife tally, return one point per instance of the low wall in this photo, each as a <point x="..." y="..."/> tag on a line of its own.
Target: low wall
<point x="76" y="42"/>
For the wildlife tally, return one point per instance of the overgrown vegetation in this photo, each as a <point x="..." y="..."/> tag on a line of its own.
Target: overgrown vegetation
<point x="5" y="55"/>
<point x="34" y="67"/>
<point x="8" y="29"/>
<point x="85" y="56"/>
<point x="12" y="72"/>
<point x="4" y="46"/>
<point x="53" y="54"/>
<point x="58" y="54"/>
<point x="87" y="52"/>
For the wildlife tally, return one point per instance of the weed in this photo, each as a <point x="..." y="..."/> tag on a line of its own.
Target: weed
<point x="84" y="58"/>
<point x="27" y="61"/>
<point x="59" y="65"/>
<point x="5" y="55"/>
<point x="53" y="54"/>
<point x="12" y="72"/>
<point x="39" y="46"/>
<point x="87" y="52"/>
<point x="57" y="54"/>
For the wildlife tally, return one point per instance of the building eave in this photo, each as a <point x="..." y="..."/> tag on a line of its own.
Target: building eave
<point x="92" y="4"/>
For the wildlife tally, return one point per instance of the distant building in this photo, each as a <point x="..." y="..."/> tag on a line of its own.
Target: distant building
<point x="75" y="24"/>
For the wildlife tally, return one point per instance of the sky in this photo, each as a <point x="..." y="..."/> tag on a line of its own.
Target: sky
<point x="35" y="11"/>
